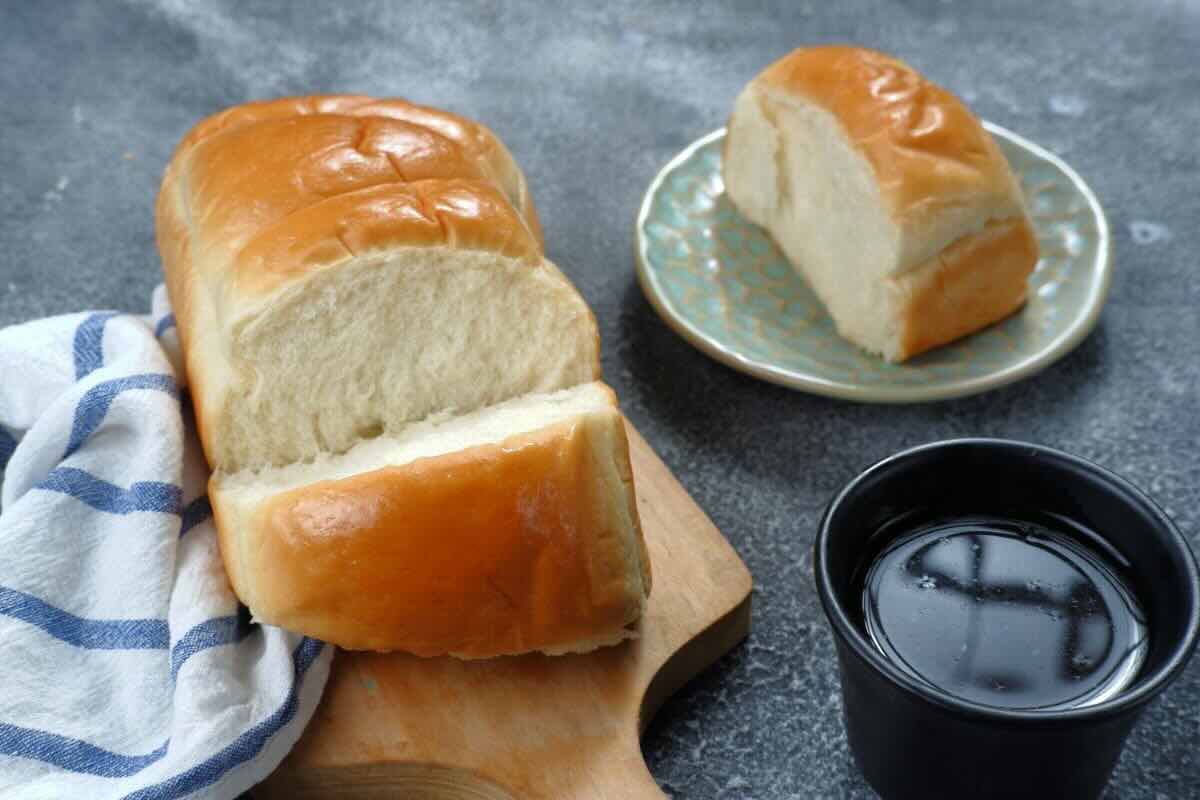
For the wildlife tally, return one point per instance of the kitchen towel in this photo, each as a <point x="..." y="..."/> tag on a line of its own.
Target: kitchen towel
<point x="127" y="667"/>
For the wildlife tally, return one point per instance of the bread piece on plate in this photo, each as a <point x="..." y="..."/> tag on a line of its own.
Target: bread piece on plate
<point x="398" y="394"/>
<point x="885" y="193"/>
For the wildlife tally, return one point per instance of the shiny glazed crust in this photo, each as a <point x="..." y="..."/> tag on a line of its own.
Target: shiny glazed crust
<point x="492" y="550"/>
<point x="269" y="191"/>
<point x="927" y="149"/>
<point x="973" y="283"/>
<point x="420" y="142"/>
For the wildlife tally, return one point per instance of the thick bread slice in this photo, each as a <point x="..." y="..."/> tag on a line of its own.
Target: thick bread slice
<point x="340" y="267"/>
<point x="509" y="529"/>
<point x="876" y="184"/>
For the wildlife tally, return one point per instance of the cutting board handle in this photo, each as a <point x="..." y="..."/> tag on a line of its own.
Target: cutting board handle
<point x="387" y="781"/>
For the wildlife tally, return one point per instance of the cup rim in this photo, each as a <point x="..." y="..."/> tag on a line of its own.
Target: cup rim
<point x="1145" y="689"/>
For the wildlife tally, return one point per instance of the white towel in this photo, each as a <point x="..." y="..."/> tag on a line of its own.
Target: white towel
<point x="127" y="667"/>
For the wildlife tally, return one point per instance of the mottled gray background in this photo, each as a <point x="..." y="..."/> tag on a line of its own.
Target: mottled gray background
<point x="93" y="97"/>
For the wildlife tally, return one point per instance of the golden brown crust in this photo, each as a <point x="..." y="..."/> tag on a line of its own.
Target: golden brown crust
<point x="464" y="214"/>
<point x="973" y="283"/>
<point x="337" y="169"/>
<point x="926" y="147"/>
<point x="470" y="138"/>
<point x="492" y="550"/>
<point x="171" y="235"/>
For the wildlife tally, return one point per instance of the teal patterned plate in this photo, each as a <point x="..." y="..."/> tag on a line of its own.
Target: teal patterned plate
<point x="723" y="285"/>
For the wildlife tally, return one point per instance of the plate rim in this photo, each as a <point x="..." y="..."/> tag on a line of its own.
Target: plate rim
<point x="1101" y="268"/>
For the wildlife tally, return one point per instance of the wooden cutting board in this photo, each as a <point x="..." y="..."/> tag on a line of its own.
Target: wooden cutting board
<point x="538" y="727"/>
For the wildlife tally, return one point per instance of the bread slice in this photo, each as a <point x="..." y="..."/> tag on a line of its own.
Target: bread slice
<point x="885" y="193"/>
<point x="499" y="531"/>
<point x="396" y="391"/>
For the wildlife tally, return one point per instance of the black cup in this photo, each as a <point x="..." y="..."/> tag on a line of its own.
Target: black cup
<point x="912" y="740"/>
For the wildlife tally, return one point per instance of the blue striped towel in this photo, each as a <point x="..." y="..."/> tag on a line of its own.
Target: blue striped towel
<point x="127" y="669"/>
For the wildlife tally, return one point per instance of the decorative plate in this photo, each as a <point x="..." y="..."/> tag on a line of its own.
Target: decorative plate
<point x="723" y="285"/>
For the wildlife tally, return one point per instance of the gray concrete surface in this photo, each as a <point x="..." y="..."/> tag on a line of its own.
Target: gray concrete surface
<point x="593" y="99"/>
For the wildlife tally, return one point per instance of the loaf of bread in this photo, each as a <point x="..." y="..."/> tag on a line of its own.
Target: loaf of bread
<point x="397" y="393"/>
<point x="885" y="193"/>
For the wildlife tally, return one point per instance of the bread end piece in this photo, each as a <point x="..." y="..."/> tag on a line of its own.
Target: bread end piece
<point x="885" y="193"/>
<point x="528" y="543"/>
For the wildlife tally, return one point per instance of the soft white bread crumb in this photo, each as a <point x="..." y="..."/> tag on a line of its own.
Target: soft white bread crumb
<point x="399" y="336"/>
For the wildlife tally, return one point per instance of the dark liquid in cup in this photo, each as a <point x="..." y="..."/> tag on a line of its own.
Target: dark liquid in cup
<point x="1011" y="614"/>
